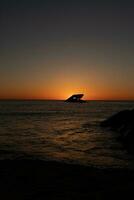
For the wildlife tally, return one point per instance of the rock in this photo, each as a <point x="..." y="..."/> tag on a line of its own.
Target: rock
<point x="117" y="120"/>
<point x="123" y="123"/>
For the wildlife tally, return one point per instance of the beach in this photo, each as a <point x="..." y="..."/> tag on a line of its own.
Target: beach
<point x="37" y="180"/>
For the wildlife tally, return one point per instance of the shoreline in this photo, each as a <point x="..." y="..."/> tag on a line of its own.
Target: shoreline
<point x="37" y="179"/>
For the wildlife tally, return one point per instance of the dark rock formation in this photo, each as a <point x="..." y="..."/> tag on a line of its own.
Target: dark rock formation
<point x="123" y="123"/>
<point x="76" y="98"/>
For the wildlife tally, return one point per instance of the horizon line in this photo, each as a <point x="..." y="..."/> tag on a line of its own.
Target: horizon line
<point x="36" y="99"/>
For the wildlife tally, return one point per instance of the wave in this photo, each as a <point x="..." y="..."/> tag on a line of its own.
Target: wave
<point x="28" y="113"/>
<point x="48" y="112"/>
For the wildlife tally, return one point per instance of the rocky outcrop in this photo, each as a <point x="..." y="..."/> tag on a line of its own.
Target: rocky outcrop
<point x="123" y="123"/>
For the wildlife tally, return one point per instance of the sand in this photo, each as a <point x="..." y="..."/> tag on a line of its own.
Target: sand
<point x="37" y="180"/>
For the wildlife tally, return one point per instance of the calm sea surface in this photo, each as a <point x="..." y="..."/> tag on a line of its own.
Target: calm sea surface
<point x="56" y="130"/>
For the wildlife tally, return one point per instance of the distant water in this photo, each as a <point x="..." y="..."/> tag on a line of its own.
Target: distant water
<point x="56" y="130"/>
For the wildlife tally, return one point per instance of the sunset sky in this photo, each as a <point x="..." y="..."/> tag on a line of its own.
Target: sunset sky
<point x="52" y="49"/>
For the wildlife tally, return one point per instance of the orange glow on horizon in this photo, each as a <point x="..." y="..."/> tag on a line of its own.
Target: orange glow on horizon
<point x="63" y="86"/>
<point x="63" y="94"/>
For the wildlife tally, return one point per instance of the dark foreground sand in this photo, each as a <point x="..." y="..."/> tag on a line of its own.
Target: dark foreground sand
<point x="35" y="180"/>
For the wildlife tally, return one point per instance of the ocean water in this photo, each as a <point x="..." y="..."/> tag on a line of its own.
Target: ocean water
<point x="67" y="132"/>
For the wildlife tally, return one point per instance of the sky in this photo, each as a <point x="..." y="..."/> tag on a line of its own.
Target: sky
<point x="52" y="49"/>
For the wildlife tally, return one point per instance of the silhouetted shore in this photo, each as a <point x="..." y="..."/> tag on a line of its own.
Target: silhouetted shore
<point x="35" y="179"/>
<point x="123" y="123"/>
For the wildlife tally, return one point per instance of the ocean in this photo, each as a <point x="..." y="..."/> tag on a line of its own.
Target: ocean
<point x="61" y="131"/>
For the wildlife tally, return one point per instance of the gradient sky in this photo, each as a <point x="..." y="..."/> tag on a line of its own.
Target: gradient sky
<point x="52" y="49"/>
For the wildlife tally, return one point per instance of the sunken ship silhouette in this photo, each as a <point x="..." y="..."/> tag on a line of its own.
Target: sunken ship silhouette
<point x="76" y="98"/>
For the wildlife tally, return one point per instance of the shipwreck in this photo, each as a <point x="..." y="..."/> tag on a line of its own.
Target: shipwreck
<point x="75" y="98"/>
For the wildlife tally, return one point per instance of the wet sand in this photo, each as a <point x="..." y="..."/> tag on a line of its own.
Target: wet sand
<point x="38" y="180"/>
